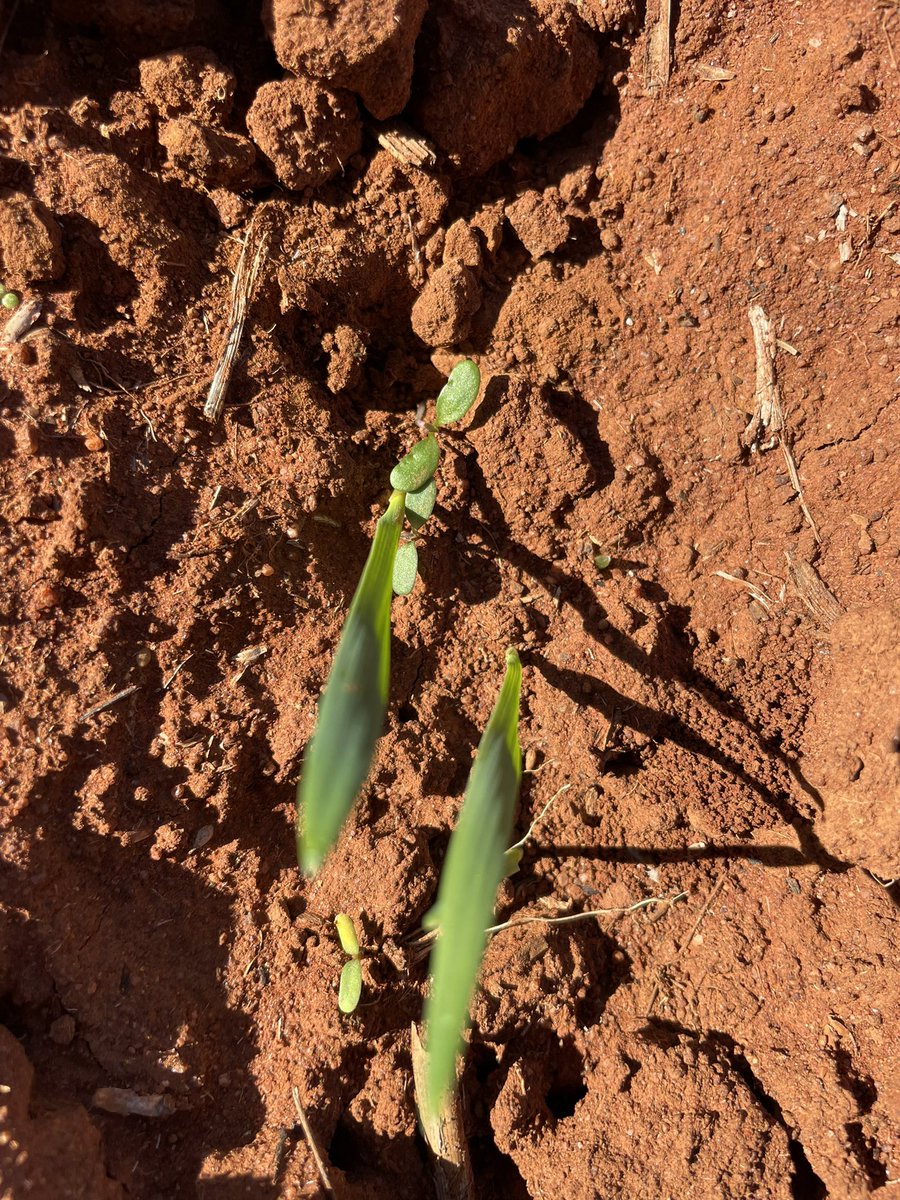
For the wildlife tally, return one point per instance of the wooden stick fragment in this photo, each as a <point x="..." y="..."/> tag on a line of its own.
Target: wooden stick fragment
<point x="242" y="286"/>
<point x="109" y="702"/>
<point x="405" y="144"/>
<point x="812" y="591"/>
<point x="311" y="1142"/>
<point x="659" y="52"/>
<point x="444" y="1133"/>
<point x="768" y="416"/>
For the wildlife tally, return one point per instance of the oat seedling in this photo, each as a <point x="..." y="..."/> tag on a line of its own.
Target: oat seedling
<point x="350" y="987"/>
<point x="354" y="703"/>
<point x="475" y="865"/>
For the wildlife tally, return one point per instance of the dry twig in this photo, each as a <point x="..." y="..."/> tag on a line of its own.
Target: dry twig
<point x="812" y="591"/>
<point x="405" y="144"/>
<point x="311" y="1142"/>
<point x="109" y="702"/>
<point x="242" y="285"/>
<point x="659" y="50"/>
<point x="768" y="416"/>
<point x="687" y="941"/>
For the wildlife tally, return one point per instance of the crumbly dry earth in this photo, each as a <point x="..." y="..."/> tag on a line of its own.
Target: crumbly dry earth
<point x="720" y="704"/>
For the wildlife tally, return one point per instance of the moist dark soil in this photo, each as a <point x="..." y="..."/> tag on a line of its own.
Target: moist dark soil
<point x="716" y="712"/>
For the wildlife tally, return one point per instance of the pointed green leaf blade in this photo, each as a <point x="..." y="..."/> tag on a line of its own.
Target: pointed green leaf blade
<point x="473" y="869"/>
<point x="406" y="567"/>
<point x="415" y="469"/>
<point x="350" y="987"/>
<point x="353" y="704"/>
<point x="459" y="393"/>
<point x="420" y="505"/>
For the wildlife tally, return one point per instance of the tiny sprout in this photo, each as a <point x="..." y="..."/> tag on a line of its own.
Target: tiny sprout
<point x="406" y="566"/>
<point x="602" y="561"/>
<point x="416" y="469"/>
<point x="420" y="505"/>
<point x="10" y="300"/>
<point x="350" y="987"/>
<point x="458" y="394"/>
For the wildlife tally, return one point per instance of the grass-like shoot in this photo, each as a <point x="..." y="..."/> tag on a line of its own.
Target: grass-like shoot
<point x="354" y="703"/>
<point x="475" y="865"/>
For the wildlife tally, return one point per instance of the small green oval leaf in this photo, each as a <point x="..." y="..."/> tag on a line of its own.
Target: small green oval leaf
<point x="406" y="567"/>
<point x="415" y="469"/>
<point x="420" y="505"/>
<point x="346" y="932"/>
<point x="350" y="988"/>
<point x="459" y="393"/>
<point x="602" y="561"/>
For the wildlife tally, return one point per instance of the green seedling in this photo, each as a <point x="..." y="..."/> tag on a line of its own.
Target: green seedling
<point x="354" y="702"/>
<point x="350" y="987"/>
<point x="602" y="561"/>
<point x="475" y="865"/>
<point x="9" y="300"/>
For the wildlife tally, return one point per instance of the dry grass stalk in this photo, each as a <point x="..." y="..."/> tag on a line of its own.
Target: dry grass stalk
<point x="21" y="321"/>
<point x="812" y="591"/>
<point x="242" y="285"/>
<point x="659" y="50"/>
<point x="311" y="1142"/>
<point x="757" y="593"/>
<point x="444" y="1133"/>
<point x="405" y="145"/>
<point x="768" y="417"/>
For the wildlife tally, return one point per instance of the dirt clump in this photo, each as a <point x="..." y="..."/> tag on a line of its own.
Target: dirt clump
<point x="188" y="82"/>
<point x="215" y="157"/>
<point x="853" y="747"/>
<point x="30" y="241"/>
<point x="442" y="314"/>
<point x="490" y="74"/>
<point x="540" y="224"/>
<point x="46" y="1152"/>
<point x="364" y="46"/>
<point x="306" y="130"/>
<point x="579" y="1134"/>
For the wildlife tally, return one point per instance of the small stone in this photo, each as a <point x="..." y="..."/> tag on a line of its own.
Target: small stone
<point x="865" y="133"/>
<point x="62" y="1030"/>
<point x="609" y="239"/>
<point x="94" y="443"/>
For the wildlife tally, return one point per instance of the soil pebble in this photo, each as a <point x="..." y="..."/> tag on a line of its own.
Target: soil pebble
<point x="30" y="241"/>
<point x="188" y="82"/>
<point x="855" y="742"/>
<point x="442" y="314"/>
<point x="551" y="1119"/>
<point x="365" y="46"/>
<point x="539" y="222"/>
<point x="53" y="1156"/>
<point x="490" y="74"/>
<point x="306" y="130"/>
<point x="211" y="155"/>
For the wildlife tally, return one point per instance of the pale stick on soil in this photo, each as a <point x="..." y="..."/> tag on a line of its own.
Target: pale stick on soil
<point x="757" y="593"/>
<point x="768" y="417"/>
<point x="686" y="942"/>
<point x="593" y="912"/>
<point x="812" y="591"/>
<point x="245" y="277"/>
<point x="405" y="145"/>
<point x="311" y="1141"/>
<point x="444" y="1133"/>
<point x="20" y="322"/>
<point x="126" y="1103"/>
<point x="659" y="53"/>
<point x="109" y="702"/>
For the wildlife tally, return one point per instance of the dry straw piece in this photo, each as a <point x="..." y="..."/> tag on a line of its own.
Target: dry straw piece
<point x="249" y="264"/>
